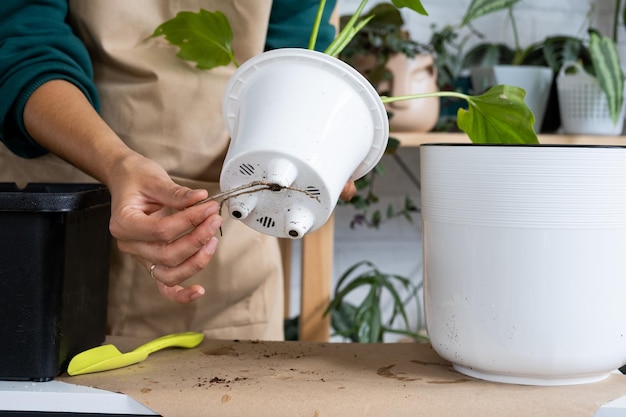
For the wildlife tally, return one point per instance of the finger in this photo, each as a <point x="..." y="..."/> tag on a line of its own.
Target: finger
<point x="135" y="224"/>
<point x="179" y="294"/>
<point x="349" y="191"/>
<point x="172" y="276"/>
<point x="181" y="197"/>
<point x="173" y="253"/>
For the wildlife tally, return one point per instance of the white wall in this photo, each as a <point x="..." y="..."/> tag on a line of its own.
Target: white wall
<point x="396" y="246"/>
<point x="535" y="18"/>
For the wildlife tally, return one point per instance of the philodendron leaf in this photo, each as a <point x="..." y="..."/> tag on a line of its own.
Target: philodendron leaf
<point x="479" y="8"/>
<point x="606" y="64"/>
<point x="203" y="37"/>
<point x="498" y="116"/>
<point x="415" y="5"/>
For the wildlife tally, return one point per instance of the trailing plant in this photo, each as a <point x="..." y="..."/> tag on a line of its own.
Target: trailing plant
<point x="366" y="199"/>
<point x="383" y="36"/>
<point x="365" y="322"/>
<point x="370" y="50"/>
<point x="498" y="116"/>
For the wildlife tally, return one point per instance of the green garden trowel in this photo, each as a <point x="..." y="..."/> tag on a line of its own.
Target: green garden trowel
<point x="107" y="357"/>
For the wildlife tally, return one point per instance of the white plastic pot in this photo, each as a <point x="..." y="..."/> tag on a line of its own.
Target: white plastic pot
<point x="583" y="106"/>
<point x="306" y="123"/>
<point x="525" y="260"/>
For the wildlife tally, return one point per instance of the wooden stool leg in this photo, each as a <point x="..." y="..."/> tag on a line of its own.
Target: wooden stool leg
<point x="286" y="253"/>
<point x="316" y="281"/>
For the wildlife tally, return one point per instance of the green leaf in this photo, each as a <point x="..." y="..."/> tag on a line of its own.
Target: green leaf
<point x="499" y="116"/>
<point x="393" y="145"/>
<point x="557" y="50"/>
<point x="478" y="8"/>
<point x="368" y="318"/>
<point x="204" y="38"/>
<point x="415" y="5"/>
<point x="342" y="320"/>
<point x="488" y="54"/>
<point x="606" y="64"/>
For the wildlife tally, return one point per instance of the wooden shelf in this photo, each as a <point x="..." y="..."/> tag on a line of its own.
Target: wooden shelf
<point x="411" y="139"/>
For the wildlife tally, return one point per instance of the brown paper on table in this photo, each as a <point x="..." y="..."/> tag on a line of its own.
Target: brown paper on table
<point x="248" y="378"/>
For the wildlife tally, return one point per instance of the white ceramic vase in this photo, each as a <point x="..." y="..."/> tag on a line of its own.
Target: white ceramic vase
<point x="525" y="260"/>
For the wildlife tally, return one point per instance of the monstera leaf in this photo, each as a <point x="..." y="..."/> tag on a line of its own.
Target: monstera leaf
<point x="204" y="38"/>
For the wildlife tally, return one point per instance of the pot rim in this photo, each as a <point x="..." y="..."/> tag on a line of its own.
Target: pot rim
<point x="525" y="145"/>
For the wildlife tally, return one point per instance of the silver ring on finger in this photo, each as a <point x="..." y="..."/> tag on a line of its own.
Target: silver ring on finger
<point x="152" y="267"/>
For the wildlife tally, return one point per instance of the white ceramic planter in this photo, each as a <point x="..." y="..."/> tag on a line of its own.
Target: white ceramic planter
<point x="307" y="122"/>
<point x="525" y="260"/>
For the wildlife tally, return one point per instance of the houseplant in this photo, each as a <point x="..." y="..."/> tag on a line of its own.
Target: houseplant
<point x="395" y="64"/>
<point x="366" y="322"/>
<point x="597" y="55"/>
<point x="205" y="38"/>
<point x="592" y="95"/>
<point x="500" y="115"/>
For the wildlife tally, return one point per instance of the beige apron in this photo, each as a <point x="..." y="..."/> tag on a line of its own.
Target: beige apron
<point x="170" y="111"/>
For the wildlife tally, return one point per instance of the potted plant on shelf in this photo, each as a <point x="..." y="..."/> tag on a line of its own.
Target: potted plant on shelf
<point x="491" y="63"/>
<point x="496" y="63"/>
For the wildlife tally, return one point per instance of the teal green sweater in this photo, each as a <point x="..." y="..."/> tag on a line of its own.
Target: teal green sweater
<point x="37" y="45"/>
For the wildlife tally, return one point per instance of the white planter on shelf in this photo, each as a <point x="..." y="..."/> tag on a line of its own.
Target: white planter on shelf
<point x="583" y="105"/>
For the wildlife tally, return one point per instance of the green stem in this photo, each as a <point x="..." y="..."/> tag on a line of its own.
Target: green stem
<point x="346" y="33"/>
<point x="454" y="94"/>
<point x="316" y="25"/>
<point x="514" y="28"/>
<point x="618" y="6"/>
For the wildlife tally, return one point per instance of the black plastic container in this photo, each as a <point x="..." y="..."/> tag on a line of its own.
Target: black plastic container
<point x="54" y="272"/>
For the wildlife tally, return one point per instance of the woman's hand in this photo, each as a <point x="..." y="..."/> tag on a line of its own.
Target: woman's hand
<point x="349" y="191"/>
<point x="155" y="221"/>
<point x="149" y="214"/>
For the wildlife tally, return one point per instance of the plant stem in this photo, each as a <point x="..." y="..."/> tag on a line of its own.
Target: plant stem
<point x="618" y="6"/>
<point x="514" y="28"/>
<point x="316" y="25"/>
<point x="346" y="33"/>
<point x="454" y="94"/>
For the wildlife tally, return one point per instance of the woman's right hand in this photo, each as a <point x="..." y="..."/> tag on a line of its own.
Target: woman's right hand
<point x="155" y="220"/>
<point x="152" y="218"/>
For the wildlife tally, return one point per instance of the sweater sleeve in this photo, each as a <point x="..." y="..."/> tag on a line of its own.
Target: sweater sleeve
<point x="36" y="45"/>
<point x="291" y="22"/>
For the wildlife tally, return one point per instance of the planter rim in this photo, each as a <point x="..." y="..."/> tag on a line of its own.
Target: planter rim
<point x="323" y="62"/>
<point x="524" y="145"/>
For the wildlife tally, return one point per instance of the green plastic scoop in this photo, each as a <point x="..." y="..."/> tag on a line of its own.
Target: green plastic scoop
<point x="107" y="357"/>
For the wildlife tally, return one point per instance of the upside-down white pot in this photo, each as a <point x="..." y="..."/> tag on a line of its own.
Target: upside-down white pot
<point x="305" y="122"/>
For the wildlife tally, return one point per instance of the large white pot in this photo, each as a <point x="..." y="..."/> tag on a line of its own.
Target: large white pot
<point x="525" y="260"/>
<point x="306" y="123"/>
